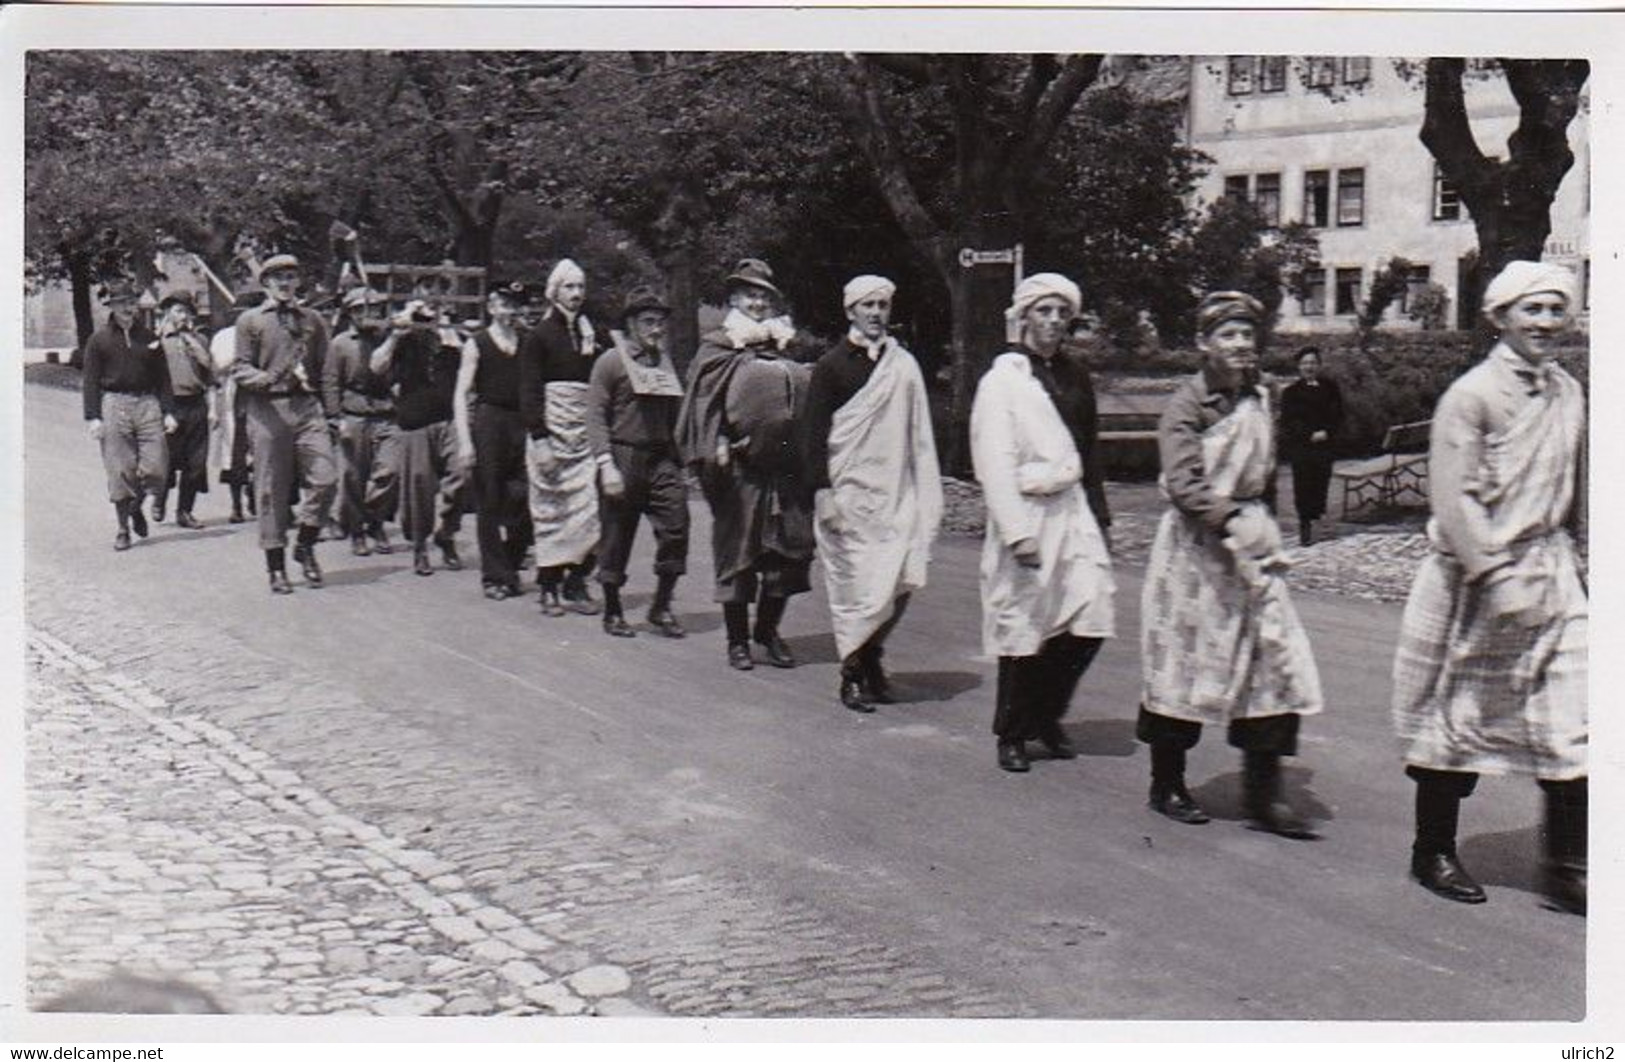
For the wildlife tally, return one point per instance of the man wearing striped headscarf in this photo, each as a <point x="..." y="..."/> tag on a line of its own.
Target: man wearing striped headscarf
<point x="1490" y="673"/>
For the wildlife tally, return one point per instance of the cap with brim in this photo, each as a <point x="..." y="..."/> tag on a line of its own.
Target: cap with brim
<point x="122" y="291"/>
<point x="642" y="299"/>
<point x="363" y="296"/>
<point x="753" y="273"/>
<point x="277" y="263"/>
<point x="177" y="298"/>
<point x="514" y="291"/>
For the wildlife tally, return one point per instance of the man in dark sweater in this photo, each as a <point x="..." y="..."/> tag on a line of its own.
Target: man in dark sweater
<point x="129" y="408"/>
<point x="491" y="441"/>
<point x="361" y="411"/>
<point x="632" y="403"/>
<point x="422" y="365"/>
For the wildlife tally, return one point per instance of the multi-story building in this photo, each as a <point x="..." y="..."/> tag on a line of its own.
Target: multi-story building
<point x="1333" y="142"/>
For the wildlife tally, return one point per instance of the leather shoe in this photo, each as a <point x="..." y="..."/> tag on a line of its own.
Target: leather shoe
<point x="306" y="556"/>
<point x="280" y="584"/>
<point x="381" y="543"/>
<point x="158" y="510"/>
<point x="138" y="522"/>
<point x="1277" y="817"/>
<point x="237" y="517"/>
<point x="188" y="521"/>
<point x="1442" y="873"/>
<point x="615" y="624"/>
<point x="448" y="555"/>
<point x="739" y="657"/>
<point x="1176" y="803"/>
<point x="1013" y="756"/>
<point x="875" y="682"/>
<point x="666" y="623"/>
<point x="1565" y="888"/>
<point x="1057" y="744"/>
<point x="421" y="563"/>
<point x="497" y="592"/>
<point x="121" y="541"/>
<point x="550" y="603"/>
<point x="359" y="546"/>
<point x="852" y="695"/>
<point x="778" y="653"/>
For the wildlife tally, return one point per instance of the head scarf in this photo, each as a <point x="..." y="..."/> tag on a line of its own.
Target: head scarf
<point x="865" y="287"/>
<point x="563" y="273"/>
<point x="1520" y="278"/>
<point x="1221" y="306"/>
<point x="1040" y="286"/>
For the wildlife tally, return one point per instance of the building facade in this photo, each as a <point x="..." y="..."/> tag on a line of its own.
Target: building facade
<point x="1332" y="141"/>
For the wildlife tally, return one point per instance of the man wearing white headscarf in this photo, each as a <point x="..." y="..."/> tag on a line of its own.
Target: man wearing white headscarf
<point x="555" y="365"/>
<point x="1490" y="672"/>
<point x="1046" y="574"/>
<point x="872" y="459"/>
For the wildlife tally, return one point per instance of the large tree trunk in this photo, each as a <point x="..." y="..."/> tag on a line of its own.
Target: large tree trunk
<point x="978" y="297"/>
<point x="84" y="318"/>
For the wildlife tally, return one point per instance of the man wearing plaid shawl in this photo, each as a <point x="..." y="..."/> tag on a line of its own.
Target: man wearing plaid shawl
<point x="1490" y="673"/>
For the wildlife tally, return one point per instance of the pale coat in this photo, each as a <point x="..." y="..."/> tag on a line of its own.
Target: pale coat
<point x="1031" y="477"/>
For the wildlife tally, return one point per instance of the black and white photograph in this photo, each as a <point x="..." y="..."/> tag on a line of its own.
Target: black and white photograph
<point x="684" y="520"/>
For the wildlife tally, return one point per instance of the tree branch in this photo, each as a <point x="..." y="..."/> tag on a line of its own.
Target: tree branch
<point x="1446" y="131"/>
<point x="1077" y="74"/>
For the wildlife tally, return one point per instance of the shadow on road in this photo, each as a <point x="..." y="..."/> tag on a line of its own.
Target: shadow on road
<point x="1510" y="858"/>
<point x="814" y="648"/>
<point x="177" y="536"/>
<point x="1103" y="737"/>
<point x="918" y="687"/>
<point x="361" y="576"/>
<point x="1221" y="796"/>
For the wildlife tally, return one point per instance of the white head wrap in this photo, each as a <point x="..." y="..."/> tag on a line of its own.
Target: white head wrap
<point x="1526" y="278"/>
<point x="563" y="273"/>
<point x="864" y="287"/>
<point x="1043" y="285"/>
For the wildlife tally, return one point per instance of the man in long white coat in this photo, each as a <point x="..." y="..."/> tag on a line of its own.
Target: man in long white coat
<point x="1046" y="574"/>
<point x="872" y="460"/>
<point x="1490" y="673"/>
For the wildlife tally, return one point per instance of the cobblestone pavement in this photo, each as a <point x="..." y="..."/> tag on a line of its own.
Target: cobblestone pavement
<point x="392" y="878"/>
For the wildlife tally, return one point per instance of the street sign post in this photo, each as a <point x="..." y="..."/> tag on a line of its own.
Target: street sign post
<point x="970" y="258"/>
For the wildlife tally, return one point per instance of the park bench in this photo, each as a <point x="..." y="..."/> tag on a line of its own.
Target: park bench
<point x="1401" y="469"/>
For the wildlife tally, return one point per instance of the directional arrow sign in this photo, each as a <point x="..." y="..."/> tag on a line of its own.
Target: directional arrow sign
<point x="969" y="257"/>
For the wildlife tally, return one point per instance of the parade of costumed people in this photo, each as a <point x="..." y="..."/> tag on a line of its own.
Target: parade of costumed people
<point x="739" y="431"/>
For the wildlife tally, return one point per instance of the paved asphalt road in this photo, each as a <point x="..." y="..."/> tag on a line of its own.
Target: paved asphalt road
<point x="1057" y="888"/>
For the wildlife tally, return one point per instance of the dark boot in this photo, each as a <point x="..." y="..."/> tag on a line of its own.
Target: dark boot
<point x="1434" y="863"/>
<point x="1306" y="532"/>
<point x="1261" y="796"/>
<point x="237" y="516"/>
<point x="304" y="551"/>
<point x="380" y="539"/>
<point x="615" y="623"/>
<point x="1169" y="797"/>
<point x="769" y="611"/>
<point x="1564" y="875"/>
<point x="660" y="614"/>
<point x="577" y="598"/>
<point x="875" y="681"/>
<point x="853" y="692"/>
<point x="121" y="541"/>
<point x="160" y="502"/>
<point x="138" y="522"/>
<point x="448" y="554"/>
<point x="359" y="545"/>
<point x="736" y="620"/>
<point x="1013" y="756"/>
<point x="276" y="568"/>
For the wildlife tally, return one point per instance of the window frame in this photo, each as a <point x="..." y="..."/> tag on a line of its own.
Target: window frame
<point x="1242" y="71"/>
<point x="1350" y="77"/>
<point x="1271" y="218"/>
<point x="1338" y="274"/>
<point x="1268" y="64"/>
<point x="1420" y="276"/>
<point x="1440" y="181"/>
<point x="1337" y="198"/>
<point x="1331" y="180"/>
<point x="1319" y="65"/>
<point x="1307" y="306"/>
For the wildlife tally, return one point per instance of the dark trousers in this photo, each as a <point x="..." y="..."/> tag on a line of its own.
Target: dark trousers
<point x="431" y="483"/>
<point x="1034" y="692"/>
<point x="1273" y="734"/>
<point x="501" y="493"/>
<point x="656" y="488"/>
<point x="369" y="484"/>
<point x="1311" y="475"/>
<point x="189" y="450"/>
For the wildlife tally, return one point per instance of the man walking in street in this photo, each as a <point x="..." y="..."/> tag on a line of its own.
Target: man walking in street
<point x="872" y="460"/>
<point x="361" y="409"/>
<point x="280" y="346"/>
<point x="633" y="400"/>
<point x="739" y="428"/>
<point x="129" y="409"/>
<point x="191" y="380"/>
<point x="1311" y="417"/>
<point x="555" y="364"/>
<point x="1490" y="673"/>
<point x="1220" y="641"/>
<point x="491" y="441"/>
<point x="1046" y="575"/>
<point x="420" y="360"/>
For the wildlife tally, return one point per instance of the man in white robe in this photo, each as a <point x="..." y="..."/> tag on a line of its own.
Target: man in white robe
<point x="872" y="460"/>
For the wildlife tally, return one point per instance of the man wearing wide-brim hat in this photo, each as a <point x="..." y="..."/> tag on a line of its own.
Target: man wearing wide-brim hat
<point x="280" y="349"/>
<point x="358" y="404"/>
<point x="129" y="408"/>
<point x="633" y="399"/>
<point x="1490" y="671"/>
<point x="740" y="430"/>
<point x="192" y="381"/>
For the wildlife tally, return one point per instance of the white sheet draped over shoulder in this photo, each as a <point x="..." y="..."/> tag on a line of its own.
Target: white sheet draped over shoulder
<point x="876" y="523"/>
<point x="1031" y="474"/>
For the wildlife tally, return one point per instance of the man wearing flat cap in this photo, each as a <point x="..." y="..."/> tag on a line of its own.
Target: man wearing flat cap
<point x="192" y="382"/>
<point x="1046" y="578"/>
<point x="361" y="409"/>
<point x="555" y="363"/>
<point x="491" y="442"/>
<point x="1220" y="641"/>
<point x="129" y="409"/>
<point x="632" y="403"/>
<point x="280" y="349"/>
<point x="739" y="429"/>
<point x="872" y="460"/>
<point x="1490" y="672"/>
